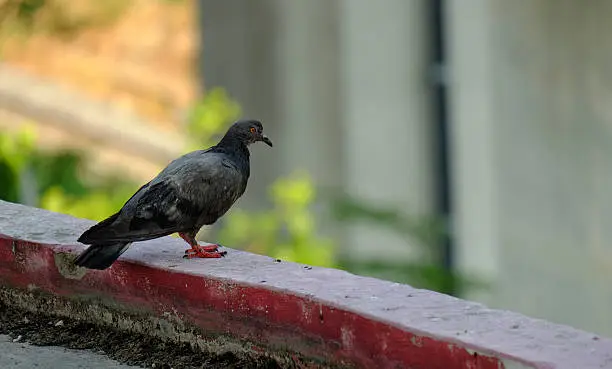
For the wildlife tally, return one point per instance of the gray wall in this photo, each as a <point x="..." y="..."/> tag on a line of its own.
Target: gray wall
<point x="386" y="125"/>
<point x="533" y="140"/>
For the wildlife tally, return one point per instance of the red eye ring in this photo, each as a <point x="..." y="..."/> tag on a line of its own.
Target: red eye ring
<point x="252" y="130"/>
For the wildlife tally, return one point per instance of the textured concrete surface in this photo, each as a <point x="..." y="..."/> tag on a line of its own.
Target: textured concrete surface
<point x="345" y="316"/>
<point x="18" y="355"/>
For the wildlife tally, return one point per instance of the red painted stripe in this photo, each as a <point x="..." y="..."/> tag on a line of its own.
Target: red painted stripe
<point x="270" y="319"/>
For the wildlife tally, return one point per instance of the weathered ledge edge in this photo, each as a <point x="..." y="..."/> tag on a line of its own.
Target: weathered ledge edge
<point x="326" y="315"/>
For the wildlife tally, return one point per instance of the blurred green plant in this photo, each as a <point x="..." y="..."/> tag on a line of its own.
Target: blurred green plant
<point x="15" y="155"/>
<point x="53" y="180"/>
<point x="286" y="231"/>
<point x="97" y="203"/>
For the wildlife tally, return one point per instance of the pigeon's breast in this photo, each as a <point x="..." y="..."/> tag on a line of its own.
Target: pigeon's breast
<point x="219" y="194"/>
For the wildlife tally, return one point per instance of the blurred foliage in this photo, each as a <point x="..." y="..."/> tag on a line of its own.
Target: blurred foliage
<point x="97" y="203"/>
<point x="287" y="231"/>
<point x="53" y="180"/>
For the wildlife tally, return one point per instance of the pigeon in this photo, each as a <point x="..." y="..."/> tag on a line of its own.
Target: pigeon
<point x="194" y="190"/>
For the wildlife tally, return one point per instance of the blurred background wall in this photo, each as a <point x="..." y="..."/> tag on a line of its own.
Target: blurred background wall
<point x="459" y="145"/>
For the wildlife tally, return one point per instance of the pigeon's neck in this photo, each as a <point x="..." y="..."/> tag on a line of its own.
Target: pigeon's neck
<point x="234" y="146"/>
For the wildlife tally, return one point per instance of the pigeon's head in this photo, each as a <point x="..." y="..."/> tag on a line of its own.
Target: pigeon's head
<point x="249" y="131"/>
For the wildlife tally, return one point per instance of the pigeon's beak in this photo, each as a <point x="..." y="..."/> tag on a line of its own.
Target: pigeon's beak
<point x="265" y="139"/>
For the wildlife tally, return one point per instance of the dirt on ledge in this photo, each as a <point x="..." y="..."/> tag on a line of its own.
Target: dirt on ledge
<point x="128" y="348"/>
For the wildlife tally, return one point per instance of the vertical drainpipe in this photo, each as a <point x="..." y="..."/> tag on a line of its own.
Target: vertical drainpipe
<point x="442" y="201"/>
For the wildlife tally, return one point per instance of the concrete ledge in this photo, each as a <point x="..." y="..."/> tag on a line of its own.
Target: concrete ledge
<point x="307" y="316"/>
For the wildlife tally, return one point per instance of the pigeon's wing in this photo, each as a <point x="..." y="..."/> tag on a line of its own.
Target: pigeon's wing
<point x="196" y="189"/>
<point x="154" y="211"/>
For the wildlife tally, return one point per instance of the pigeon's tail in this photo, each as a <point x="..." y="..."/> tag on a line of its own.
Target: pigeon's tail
<point x="101" y="256"/>
<point x="99" y="232"/>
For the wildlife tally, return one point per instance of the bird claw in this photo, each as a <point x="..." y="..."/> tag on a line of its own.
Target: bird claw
<point x="207" y="248"/>
<point x="205" y="255"/>
<point x="210" y="251"/>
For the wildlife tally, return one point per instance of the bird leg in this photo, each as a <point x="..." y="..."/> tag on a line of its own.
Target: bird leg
<point x="197" y="251"/>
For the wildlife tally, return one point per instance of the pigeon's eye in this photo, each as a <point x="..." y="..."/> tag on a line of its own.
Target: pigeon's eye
<point x="252" y="129"/>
